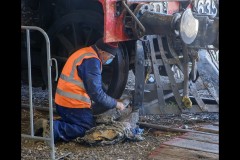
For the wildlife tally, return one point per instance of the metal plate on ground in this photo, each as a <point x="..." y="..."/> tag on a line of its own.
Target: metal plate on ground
<point x="211" y="138"/>
<point x="175" y="153"/>
<point x="194" y="145"/>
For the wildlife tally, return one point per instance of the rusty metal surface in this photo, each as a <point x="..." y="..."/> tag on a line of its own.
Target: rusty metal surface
<point x="173" y="53"/>
<point x="169" y="129"/>
<point x="139" y="78"/>
<point x="160" y="94"/>
<point x="154" y="18"/>
<point x="113" y="26"/>
<point x="200" y="102"/>
<point x="151" y="105"/>
<point x="115" y="29"/>
<point x="209" y="128"/>
<point x="156" y="23"/>
<point x="136" y="20"/>
<point x="185" y="70"/>
<point x="170" y="75"/>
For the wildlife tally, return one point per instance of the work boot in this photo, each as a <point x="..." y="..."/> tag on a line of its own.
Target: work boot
<point x="42" y="128"/>
<point x="46" y="128"/>
<point x="38" y="126"/>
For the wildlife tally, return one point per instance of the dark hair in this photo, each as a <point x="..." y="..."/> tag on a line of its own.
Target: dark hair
<point x="108" y="47"/>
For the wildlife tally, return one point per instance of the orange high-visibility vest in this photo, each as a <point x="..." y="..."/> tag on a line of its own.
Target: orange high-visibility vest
<point x="70" y="90"/>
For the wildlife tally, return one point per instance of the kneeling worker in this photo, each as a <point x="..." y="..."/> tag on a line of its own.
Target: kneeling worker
<point x="79" y="84"/>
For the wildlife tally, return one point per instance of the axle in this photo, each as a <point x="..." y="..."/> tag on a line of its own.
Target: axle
<point x="194" y="29"/>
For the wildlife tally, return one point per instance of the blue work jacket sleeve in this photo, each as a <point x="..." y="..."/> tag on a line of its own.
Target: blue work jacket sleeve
<point x="90" y="72"/>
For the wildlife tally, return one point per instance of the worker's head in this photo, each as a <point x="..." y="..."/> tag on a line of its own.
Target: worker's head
<point x="106" y="51"/>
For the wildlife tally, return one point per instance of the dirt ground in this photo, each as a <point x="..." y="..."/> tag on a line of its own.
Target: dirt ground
<point x="32" y="149"/>
<point x="37" y="149"/>
<point x="128" y="150"/>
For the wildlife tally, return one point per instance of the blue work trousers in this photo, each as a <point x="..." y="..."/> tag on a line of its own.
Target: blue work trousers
<point x="74" y="123"/>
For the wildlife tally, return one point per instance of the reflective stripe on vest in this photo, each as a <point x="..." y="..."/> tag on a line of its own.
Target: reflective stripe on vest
<point x="78" y="60"/>
<point x="71" y="79"/>
<point x="73" y="96"/>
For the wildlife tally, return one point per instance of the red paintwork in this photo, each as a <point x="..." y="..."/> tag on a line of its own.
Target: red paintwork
<point x="173" y="7"/>
<point x="114" y="27"/>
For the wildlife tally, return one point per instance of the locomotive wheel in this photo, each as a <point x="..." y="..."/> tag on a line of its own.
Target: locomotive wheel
<point x="115" y="75"/>
<point x="77" y="30"/>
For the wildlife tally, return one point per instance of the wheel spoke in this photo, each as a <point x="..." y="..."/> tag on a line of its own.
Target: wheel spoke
<point x="65" y="43"/>
<point x="88" y="36"/>
<point x="74" y="35"/>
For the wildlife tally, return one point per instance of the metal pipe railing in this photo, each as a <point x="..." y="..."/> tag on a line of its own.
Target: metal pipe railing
<point x="49" y="64"/>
